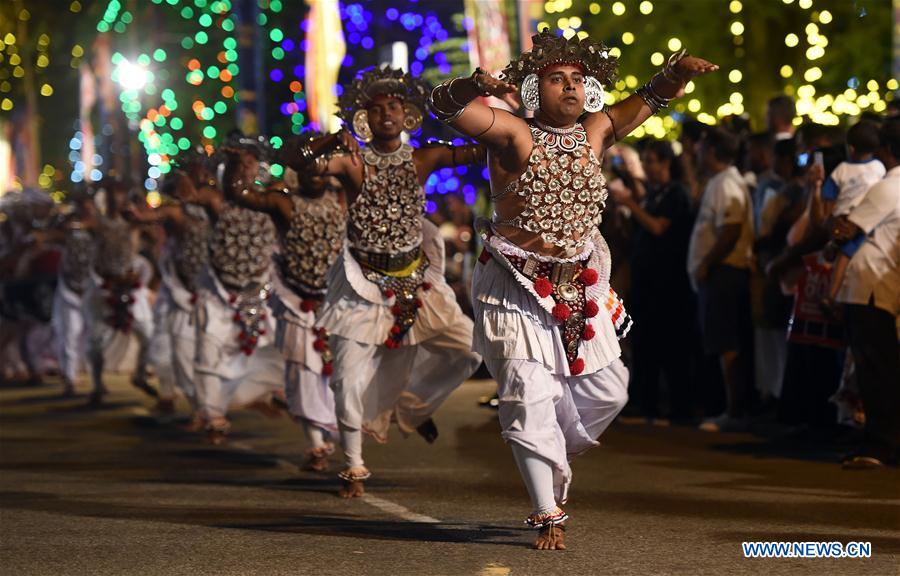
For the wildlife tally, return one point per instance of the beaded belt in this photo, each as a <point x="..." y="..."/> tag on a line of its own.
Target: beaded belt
<point x="388" y="263"/>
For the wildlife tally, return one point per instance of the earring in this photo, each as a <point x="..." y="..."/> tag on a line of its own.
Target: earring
<point x="412" y="118"/>
<point x="361" y="126"/>
<point x="531" y="97"/>
<point x="593" y="94"/>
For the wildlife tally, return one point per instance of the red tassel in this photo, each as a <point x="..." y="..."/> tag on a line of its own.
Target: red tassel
<point x="576" y="367"/>
<point x="591" y="309"/>
<point x="395" y="330"/>
<point x="232" y="298"/>
<point x="327" y="369"/>
<point x="588" y="277"/>
<point x="543" y="287"/>
<point x="562" y="312"/>
<point x="418" y="302"/>
<point x="319" y="345"/>
<point x="307" y="306"/>
<point x="389" y="293"/>
<point x="588" y="332"/>
<point x="396" y="310"/>
<point x="236" y="317"/>
<point x="427" y="286"/>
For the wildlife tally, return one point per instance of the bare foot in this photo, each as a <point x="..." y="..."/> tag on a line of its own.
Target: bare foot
<point x="551" y="537"/>
<point x="197" y="424"/>
<point x="353" y="482"/>
<point x="316" y="460"/>
<point x="428" y="430"/>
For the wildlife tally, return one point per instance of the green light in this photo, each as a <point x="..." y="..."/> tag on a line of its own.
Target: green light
<point x="233" y="68"/>
<point x="187" y="13"/>
<point x="262" y="19"/>
<point x="184" y="143"/>
<point x="187" y="43"/>
<point x="116" y="58"/>
<point x="127" y="17"/>
<point x="231" y="55"/>
<point x="296" y="129"/>
<point x="160" y="120"/>
<point x="212" y="72"/>
<point x="297" y="118"/>
<point x="229" y="44"/>
<point x="120" y="27"/>
<point x="102" y="26"/>
<point x="220" y="107"/>
<point x="176" y="124"/>
<point x="201" y="37"/>
<point x="207" y="114"/>
<point x="205" y="20"/>
<point x="144" y="60"/>
<point x="173" y="105"/>
<point x="167" y="95"/>
<point x="165" y="168"/>
<point x="278" y="53"/>
<point x="159" y="55"/>
<point x="276" y="142"/>
<point x="276" y="34"/>
<point x="228" y="25"/>
<point x="209" y="132"/>
<point x="277" y="170"/>
<point x="275" y="6"/>
<point x="200" y="3"/>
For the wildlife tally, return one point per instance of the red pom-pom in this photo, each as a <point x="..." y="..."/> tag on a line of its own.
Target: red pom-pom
<point x="588" y="277"/>
<point x="390" y="343"/>
<point x="562" y="312"/>
<point x="262" y="331"/>
<point x="242" y="336"/>
<point x="426" y="285"/>
<point x="389" y="293"/>
<point x="307" y="306"/>
<point x="395" y="330"/>
<point x="418" y="302"/>
<point x="591" y="309"/>
<point x="236" y="317"/>
<point x="588" y="332"/>
<point x="319" y="345"/>
<point x="576" y="367"/>
<point x="327" y="369"/>
<point x="396" y="310"/>
<point x="232" y="298"/>
<point x="543" y="287"/>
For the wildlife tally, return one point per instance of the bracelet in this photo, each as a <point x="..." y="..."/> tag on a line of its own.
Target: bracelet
<point x="442" y="114"/>
<point x="668" y="70"/>
<point x="306" y="153"/>
<point x="650" y="98"/>
<point x="449" y="92"/>
<point x="478" y="72"/>
<point x="485" y="131"/>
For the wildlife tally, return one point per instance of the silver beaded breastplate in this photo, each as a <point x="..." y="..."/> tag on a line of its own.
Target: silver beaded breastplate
<point x="312" y="242"/>
<point x="76" y="260"/>
<point x="115" y="248"/>
<point x="387" y="215"/>
<point x="564" y="189"/>
<point x="240" y="245"/>
<point x="192" y="246"/>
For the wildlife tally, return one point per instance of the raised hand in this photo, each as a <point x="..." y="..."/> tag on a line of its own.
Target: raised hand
<point x="690" y="67"/>
<point x="493" y="86"/>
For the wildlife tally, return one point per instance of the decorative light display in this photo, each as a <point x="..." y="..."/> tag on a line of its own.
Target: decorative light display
<point x="799" y="80"/>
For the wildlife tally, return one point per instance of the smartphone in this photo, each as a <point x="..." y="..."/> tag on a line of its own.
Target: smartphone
<point x="803" y="159"/>
<point x="819" y="159"/>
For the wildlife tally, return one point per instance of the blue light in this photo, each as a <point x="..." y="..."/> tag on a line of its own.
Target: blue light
<point x="422" y="53"/>
<point x="452" y="184"/>
<point x="416" y="68"/>
<point x="442" y="35"/>
<point x="446" y="172"/>
<point x="153" y="172"/>
<point x="150" y="184"/>
<point x="468" y="189"/>
<point x="392" y="13"/>
<point x="368" y="43"/>
<point x="288" y="45"/>
<point x="486" y="174"/>
<point x="77" y="176"/>
<point x="444" y="68"/>
<point x="432" y="180"/>
<point x="458" y="142"/>
<point x="430" y="207"/>
<point x="470" y="197"/>
<point x="96" y="174"/>
<point x="276" y="75"/>
<point x="462" y="170"/>
<point x="338" y="90"/>
<point x="75" y="144"/>
<point x="353" y="37"/>
<point x="299" y="71"/>
<point x="853" y="83"/>
<point x="348" y="61"/>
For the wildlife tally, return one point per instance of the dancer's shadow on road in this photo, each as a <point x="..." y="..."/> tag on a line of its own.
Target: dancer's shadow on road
<point x="393" y="530"/>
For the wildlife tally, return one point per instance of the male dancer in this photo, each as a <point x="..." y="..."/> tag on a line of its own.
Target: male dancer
<point x="547" y="321"/>
<point x="117" y="299"/>
<point x="311" y="217"/>
<point x="74" y="279"/>
<point x="387" y="298"/>
<point x="236" y="362"/>
<point x="183" y="259"/>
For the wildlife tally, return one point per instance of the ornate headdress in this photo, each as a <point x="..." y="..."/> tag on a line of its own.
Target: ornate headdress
<point x="382" y="81"/>
<point x="257" y="145"/>
<point x="548" y="49"/>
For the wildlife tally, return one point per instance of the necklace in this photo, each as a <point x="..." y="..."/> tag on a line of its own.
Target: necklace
<point x="554" y="130"/>
<point x="382" y="160"/>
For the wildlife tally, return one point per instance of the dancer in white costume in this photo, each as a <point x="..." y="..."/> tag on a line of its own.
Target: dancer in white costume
<point x="236" y="360"/>
<point x="387" y="299"/>
<point x="117" y="300"/>
<point x="184" y="256"/>
<point x="310" y="215"/>
<point x="547" y="321"/>
<point x="74" y="278"/>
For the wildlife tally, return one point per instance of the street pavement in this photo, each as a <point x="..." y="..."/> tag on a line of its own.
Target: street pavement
<point x="120" y="490"/>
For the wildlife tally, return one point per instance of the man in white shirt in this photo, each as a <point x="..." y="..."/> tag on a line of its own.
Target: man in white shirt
<point x="718" y="264"/>
<point x="871" y="293"/>
<point x="780" y="113"/>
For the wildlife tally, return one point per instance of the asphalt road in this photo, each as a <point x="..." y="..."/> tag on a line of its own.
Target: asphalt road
<point x="121" y="491"/>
